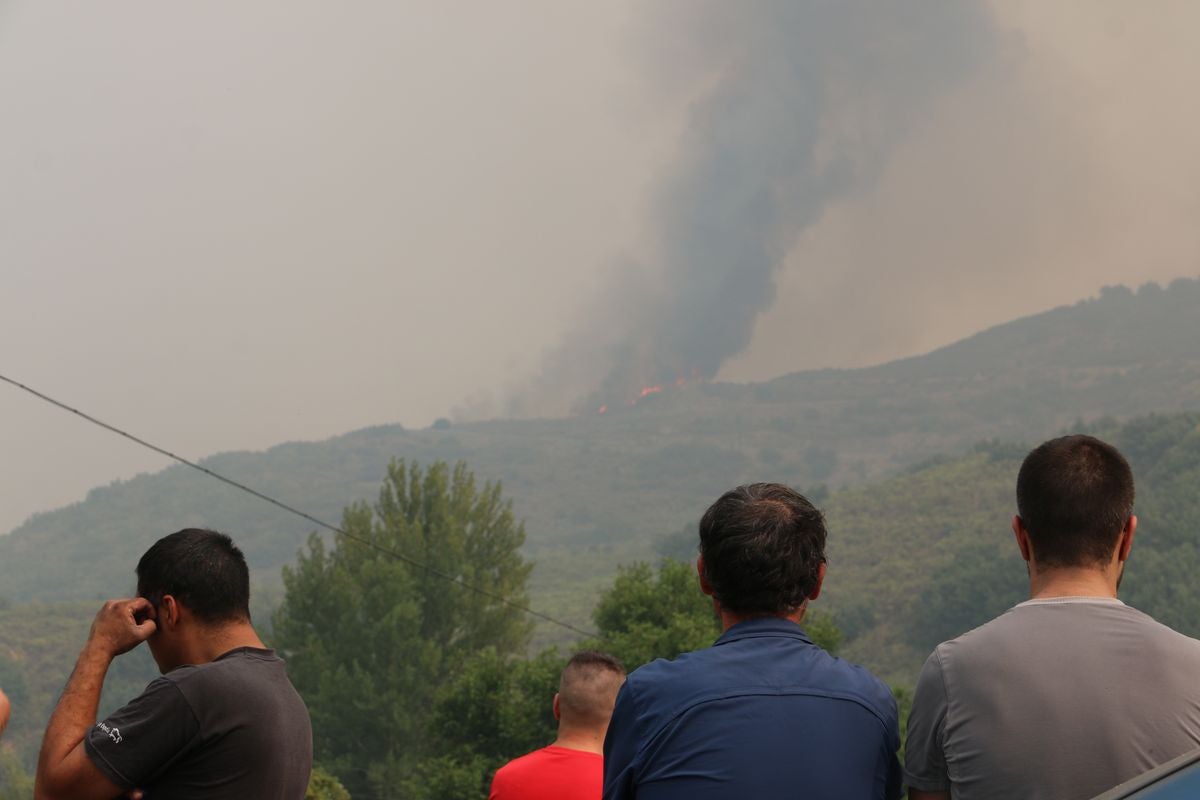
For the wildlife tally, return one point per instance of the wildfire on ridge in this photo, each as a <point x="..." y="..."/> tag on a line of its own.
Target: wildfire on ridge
<point x="647" y="391"/>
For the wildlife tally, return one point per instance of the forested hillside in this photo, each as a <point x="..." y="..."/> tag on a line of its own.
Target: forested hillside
<point x="927" y="555"/>
<point x="598" y="490"/>
<point x="913" y="559"/>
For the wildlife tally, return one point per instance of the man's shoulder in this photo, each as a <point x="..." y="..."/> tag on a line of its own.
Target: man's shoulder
<point x="533" y="765"/>
<point x="549" y="753"/>
<point x="984" y="635"/>
<point x="1064" y="622"/>
<point x="1067" y="612"/>
<point x="247" y="678"/>
<point x="674" y="675"/>
<point x="1166" y="633"/>
<point x="243" y="661"/>
<point x="665" y="687"/>
<point x="520" y="765"/>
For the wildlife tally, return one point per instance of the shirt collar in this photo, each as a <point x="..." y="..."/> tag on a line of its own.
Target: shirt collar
<point x="763" y="626"/>
<point x="1068" y="599"/>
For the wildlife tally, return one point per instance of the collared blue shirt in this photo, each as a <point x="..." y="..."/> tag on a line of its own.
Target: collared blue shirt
<point x="763" y="714"/>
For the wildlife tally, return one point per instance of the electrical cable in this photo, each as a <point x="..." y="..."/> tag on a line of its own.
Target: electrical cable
<point x="292" y="510"/>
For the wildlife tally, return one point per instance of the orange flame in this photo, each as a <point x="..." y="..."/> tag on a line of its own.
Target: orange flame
<point x="644" y="393"/>
<point x="658" y="388"/>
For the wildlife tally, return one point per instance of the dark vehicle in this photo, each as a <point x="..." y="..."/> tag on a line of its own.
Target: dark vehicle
<point x="1176" y="780"/>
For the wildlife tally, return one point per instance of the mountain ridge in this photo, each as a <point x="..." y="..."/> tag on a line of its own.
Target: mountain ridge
<point x="610" y="485"/>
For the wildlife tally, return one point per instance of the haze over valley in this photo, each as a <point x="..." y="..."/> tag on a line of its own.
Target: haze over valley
<point x="435" y="219"/>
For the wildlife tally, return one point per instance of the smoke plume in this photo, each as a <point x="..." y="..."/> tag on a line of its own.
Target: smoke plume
<point x="794" y="105"/>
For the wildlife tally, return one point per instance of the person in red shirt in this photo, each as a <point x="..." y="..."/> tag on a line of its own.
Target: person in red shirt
<point x="573" y="767"/>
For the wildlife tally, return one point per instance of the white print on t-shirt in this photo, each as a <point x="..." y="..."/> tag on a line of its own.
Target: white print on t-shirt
<point x="113" y="732"/>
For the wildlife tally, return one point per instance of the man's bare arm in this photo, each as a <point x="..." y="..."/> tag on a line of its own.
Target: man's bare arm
<point x="917" y="794"/>
<point x="64" y="769"/>
<point x="5" y="710"/>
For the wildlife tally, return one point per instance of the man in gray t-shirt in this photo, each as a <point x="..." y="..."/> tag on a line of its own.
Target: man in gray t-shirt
<point x="1071" y="692"/>
<point x="223" y="722"/>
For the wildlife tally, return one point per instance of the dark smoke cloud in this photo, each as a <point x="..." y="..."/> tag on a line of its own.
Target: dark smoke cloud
<point x="796" y="104"/>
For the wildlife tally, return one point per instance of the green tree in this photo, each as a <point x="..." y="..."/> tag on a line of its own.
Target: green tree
<point x="823" y="630"/>
<point x="323" y="786"/>
<point x="371" y="638"/>
<point x="498" y="708"/>
<point x="654" y="613"/>
<point x="649" y="614"/>
<point x="15" y="782"/>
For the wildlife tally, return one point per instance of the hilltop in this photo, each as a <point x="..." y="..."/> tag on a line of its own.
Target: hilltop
<point x="599" y="490"/>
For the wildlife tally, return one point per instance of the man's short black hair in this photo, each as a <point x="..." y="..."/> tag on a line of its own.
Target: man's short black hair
<point x="595" y="660"/>
<point x="1074" y="495"/>
<point x="763" y="547"/>
<point x="204" y="570"/>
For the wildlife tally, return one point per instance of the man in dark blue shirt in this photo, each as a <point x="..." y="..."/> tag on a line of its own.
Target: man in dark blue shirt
<point x="764" y="713"/>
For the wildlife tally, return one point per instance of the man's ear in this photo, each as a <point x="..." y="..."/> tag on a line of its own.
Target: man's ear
<point x="169" y="612"/>
<point x="816" y="592"/>
<point x="556" y="707"/>
<point x="1126" y="543"/>
<point x="705" y="586"/>
<point x="1019" y="531"/>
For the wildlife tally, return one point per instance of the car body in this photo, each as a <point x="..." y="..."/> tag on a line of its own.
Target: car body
<point x="1178" y="779"/>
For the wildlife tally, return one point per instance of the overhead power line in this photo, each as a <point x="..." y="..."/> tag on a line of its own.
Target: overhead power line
<point x="293" y="510"/>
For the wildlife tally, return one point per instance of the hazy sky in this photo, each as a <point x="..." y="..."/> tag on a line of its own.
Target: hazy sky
<point x="226" y="225"/>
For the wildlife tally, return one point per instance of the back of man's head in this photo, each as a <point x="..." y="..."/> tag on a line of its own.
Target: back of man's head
<point x="1074" y="495"/>
<point x="203" y="570"/>
<point x="763" y="546"/>
<point x="588" y="689"/>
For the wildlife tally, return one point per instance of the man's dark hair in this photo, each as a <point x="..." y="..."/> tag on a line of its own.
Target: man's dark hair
<point x="588" y="688"/>
<point x="1074" y="495"/>
<point x="763" y="547"/>
<point x="204" y="570"/>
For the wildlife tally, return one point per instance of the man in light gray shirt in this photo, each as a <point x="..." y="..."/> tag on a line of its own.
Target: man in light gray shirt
<point x="1071" y="692"/>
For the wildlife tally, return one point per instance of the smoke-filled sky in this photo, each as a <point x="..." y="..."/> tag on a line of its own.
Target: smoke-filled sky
<point x="225" y="225"/>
